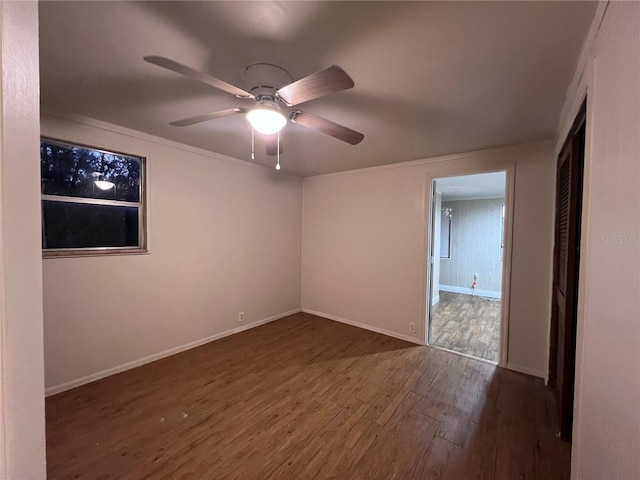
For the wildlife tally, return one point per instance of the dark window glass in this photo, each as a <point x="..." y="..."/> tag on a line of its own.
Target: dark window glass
<point x="79" y="225"/>
<point x="71" y="171"/>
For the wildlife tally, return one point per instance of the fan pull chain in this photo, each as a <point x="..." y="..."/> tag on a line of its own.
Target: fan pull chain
<point x="278" y="153"/>
<point x="253" y="144"/>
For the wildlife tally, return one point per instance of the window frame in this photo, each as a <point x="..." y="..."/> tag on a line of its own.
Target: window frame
<point x="142" y="247"/>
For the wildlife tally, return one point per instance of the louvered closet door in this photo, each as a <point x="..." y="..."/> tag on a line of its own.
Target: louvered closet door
<point x="566" y="262"/>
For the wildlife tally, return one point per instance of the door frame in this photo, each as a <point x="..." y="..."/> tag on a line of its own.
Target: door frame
<point x="510" y="170"/>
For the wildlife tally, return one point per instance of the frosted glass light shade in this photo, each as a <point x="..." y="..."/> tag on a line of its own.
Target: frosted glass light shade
<point x="266" y="121"/>
<point x="104" y="185"/>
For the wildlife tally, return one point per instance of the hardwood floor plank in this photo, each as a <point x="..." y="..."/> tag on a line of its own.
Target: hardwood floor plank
<point x="439" y="384"/>
<point x="350" y="453"/>
<point x="477" y="459"/>
<point x="438" y="460"/>
<point x="340" y="431"/>
<point x="393" y="402"/>
<point x="467" y="402"/>
<point x="402" y="443"/>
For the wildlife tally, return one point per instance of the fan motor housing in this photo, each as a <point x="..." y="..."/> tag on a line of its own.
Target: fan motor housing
<point x="265" y="79"/>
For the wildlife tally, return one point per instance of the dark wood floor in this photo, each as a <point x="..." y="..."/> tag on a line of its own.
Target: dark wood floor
<point x="304" y="398"/>
<point x="466" y="324"/>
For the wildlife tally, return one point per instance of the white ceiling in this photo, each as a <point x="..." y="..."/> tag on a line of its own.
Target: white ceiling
<point x="471" y="187"/>
<point x="431" y="78"/>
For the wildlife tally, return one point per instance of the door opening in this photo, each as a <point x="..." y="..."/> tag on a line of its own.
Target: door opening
<point x="467" y="250"/>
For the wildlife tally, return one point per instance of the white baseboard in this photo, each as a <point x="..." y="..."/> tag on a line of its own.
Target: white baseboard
<point x="157" y="356"/>
<point x="435" y="300"/>
<point x="527" y="370"/>
<point x="364" y="326"/>
<point x="468" y="291"/>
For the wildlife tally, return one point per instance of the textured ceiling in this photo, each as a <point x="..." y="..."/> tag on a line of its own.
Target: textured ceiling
<point x="470" y="187"/>
<point x="431" y="78"/>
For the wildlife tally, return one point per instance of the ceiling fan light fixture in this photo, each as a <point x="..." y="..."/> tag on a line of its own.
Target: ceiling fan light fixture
<point x="266" y="121"/>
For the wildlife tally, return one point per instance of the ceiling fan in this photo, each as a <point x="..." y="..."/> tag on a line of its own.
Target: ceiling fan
<point x="274" y="94"/>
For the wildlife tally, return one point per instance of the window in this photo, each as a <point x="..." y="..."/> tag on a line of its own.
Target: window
<point x="445" y="233"/>
<point x="92" y="200"/>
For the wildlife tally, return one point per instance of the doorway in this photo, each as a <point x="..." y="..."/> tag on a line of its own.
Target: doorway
<point x="467" y="257"/>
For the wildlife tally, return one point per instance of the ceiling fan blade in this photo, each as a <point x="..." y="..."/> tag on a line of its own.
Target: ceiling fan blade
<point x="316" y="85"/>
<point x="196" y="75"/>
<point x="271" y="142"/>
<point x="327" y="127"/>
<point x="207" y="116"/>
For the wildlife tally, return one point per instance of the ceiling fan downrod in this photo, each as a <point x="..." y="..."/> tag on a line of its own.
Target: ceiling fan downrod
<point x="278" y="154"/>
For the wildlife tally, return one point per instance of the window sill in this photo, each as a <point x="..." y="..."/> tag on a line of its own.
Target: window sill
<point x="104" y="252"/>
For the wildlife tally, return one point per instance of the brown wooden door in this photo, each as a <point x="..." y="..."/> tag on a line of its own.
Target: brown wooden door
<point x="565" y="278"/>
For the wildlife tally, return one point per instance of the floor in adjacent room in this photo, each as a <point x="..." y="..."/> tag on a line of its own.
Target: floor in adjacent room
<point x="302" y="398"/>
<point x="466" y="324"/>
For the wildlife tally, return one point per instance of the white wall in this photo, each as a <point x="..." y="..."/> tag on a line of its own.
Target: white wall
<point x="22" y="426"/>
<point x="364" y="245"/>
<point x="476" y="230"/>
<point x="606" y="438"/>
<point x="224" y="237"/>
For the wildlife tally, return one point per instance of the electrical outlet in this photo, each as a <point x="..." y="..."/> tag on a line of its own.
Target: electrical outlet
<point x="241" y="317"/>
<point x="412" y="327"/>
